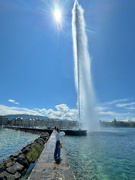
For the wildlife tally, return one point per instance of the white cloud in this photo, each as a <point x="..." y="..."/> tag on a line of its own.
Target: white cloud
<point x="5" y="110"/>
<point x="62" y="107"/>
<point x="112" y="114"/>
<point x="108" y="113"/>
<point x="62" y="112"/>
<point x="116" y="101"/>
<point x="131" y="108"/>
<point x="13" y="101"/>
<point x="133" y="119"/>
<point x="100" y="108"/>
<point x="125" y="104"/>
<point x="113" y="109"/>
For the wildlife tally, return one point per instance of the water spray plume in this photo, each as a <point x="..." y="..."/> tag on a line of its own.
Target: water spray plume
<point x="83" y="79"/>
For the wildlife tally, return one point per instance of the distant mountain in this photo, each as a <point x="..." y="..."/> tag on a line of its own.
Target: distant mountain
<point x="25" y="116"/>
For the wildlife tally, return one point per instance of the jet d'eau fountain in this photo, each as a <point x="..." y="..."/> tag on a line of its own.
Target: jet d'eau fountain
<point x="83" y="79"/>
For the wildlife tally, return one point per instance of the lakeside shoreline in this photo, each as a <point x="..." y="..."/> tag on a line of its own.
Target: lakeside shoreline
<point x="119" y="124"/>
<point x="64" y="172"/>
<point x="16" y="165"/>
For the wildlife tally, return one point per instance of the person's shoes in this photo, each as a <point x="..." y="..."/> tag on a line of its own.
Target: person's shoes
<point x="59" y="159"/>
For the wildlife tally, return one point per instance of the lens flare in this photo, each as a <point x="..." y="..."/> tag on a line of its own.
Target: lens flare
<point x="58" y="15"/>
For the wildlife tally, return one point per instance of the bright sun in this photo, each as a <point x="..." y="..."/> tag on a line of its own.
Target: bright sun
<point x="58" y="15"/>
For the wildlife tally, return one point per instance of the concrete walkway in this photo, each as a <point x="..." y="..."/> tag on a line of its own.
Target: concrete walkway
<point x="47" y="169"/>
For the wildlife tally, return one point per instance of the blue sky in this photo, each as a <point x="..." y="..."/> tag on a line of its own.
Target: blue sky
<point x="37" y="65"/>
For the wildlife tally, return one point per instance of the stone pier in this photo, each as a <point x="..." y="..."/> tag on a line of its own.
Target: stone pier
<point x="46" y="168"/>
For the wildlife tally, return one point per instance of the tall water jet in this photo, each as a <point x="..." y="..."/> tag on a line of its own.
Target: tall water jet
<point x="83" y="80"/>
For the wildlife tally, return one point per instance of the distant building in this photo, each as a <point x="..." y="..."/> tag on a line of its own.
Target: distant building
<point x="46" y="123"/>
<point x="3" y="120"/>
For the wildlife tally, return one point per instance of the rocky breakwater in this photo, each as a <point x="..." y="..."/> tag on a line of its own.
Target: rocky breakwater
<point x="16" y="165"/>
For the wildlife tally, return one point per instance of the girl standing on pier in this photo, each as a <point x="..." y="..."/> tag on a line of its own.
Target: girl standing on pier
<point x="57" y="147"/>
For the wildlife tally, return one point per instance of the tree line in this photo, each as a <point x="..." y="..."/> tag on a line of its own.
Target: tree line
<point x="116" y="123"/>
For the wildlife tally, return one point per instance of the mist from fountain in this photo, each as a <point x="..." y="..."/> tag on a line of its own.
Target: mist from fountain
<point x="83" y="80"/>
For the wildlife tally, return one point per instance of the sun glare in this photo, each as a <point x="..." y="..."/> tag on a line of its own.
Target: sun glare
<point x="58" y="15"/>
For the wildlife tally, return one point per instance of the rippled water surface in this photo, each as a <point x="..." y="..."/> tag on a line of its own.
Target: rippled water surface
<point x="12" y="141"/>
<point x="105" y="155"/>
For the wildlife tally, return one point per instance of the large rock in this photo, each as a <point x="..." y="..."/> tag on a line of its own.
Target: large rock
<point x="40" y="141"/>
<point x="22" y="156"/>
<point x="1" y="178"/>
<point x="39" y="147"/>
<point x="7" y="160"/>
<point x="26" y="150"/>
<point x="11" y="163"/>
<point x="23" y="160"/>
<point x="17" y="175"/>
<point x="6" y="175"/>
<point x="2" y="167"/>
<point x="1" y="175"/>
<point x="45" y="136"/>
<point x="15" y="155"/>
<point x="32" y="155"/>
<point x="28" y="146"/>
<point x="16" y="167"/>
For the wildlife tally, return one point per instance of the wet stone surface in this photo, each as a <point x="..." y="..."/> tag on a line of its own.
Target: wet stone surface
<point x="46" y="168"/>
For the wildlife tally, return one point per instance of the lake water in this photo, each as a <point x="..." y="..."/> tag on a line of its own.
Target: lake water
<point x="12" y="141"/>
<point x="105" y="155"/>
